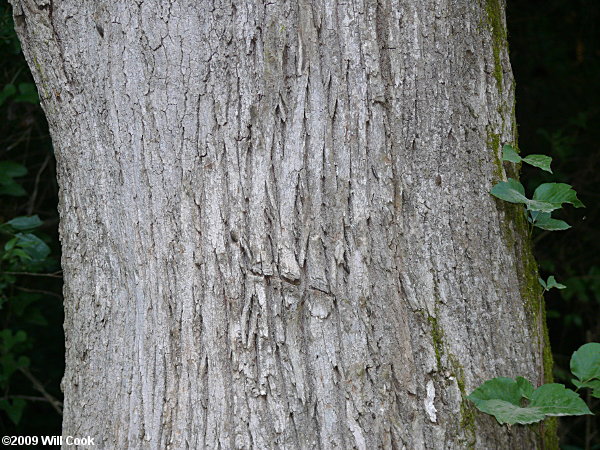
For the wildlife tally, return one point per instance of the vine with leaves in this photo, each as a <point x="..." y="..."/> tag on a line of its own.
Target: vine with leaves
<point x="516" y="401"/>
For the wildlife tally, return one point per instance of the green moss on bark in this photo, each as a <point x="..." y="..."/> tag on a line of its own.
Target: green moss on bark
<point x="437" y="336"/>
<point x="467" y="410"/>
<point x="493" y="143"/>
<point x="494" y="10"/>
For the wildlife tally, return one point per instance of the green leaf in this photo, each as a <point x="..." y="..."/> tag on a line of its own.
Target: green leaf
<point x="544" y="221"/>
<point x="585" y="362"/>
<point x="534" y="205"/>
<point x="503" y="397"/>
<point x="506" y="412"/>
<point x="10" y="244"/>
<point x="543" y="283"/>
<point x="9" y="366"/>
<point x="541" y="161"/>
<point x="557" y="193"/>
<point x="37" y="249"/>
<point x="27" y="94"/>
<point x="23" y="362"/>
<point x="511" y="191"/>
<point x="525" y="387"/>
<point x="501" y="388"/>
<point x="593" y="384"/>
<point x="22" y="255"/>
<point x="8" y="171"/>
<point x="20" y="336"/>
<point x="14" y="410"/>
<point x="25" y="222"/>
<point x="12" y="169"/>
<point x="510" y="154"/>
<point x="8" y="90"/>
<point x="12" y="188"/>
<point x="555" y="399"/>
<point x="9" y="340"/>
<point x="552" y="283"/>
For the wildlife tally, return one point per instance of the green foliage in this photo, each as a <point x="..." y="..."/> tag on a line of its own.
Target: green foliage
<point x="512" y="191"/>
<point x="585" y="365"/>
<point x="12" y="344"/>
<point x="8" y="91"/>
<point x="9" y="170"/>
<point x="547" y="197"/>
<point x="14" y="409"/>
<point x="557" y="194"/>
<point x="31" y="353"/>
<point x="510" y="154"/>
<point x="516" y="401"/>
<point x="26" y="247"/>
<point x="580" y="301"/>
<point x="26" y="93"/>
<point x="551" y="283"/>
<point x="541" y="161"/>
<point x="22" y="250"/>
<point x="25" y="223"/>
<point x="544" y="221"/>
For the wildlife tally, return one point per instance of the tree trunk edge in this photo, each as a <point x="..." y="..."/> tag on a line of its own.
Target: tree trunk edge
<point x="519" y="240"/>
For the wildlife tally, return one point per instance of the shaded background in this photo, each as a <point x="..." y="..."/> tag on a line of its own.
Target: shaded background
<point x="555" y="53"/>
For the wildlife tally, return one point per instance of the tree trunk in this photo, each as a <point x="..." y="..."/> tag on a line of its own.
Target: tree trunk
<point x="276" y="222"/>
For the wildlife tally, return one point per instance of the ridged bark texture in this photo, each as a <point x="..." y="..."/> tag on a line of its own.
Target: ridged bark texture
<point x="276" y="222"/>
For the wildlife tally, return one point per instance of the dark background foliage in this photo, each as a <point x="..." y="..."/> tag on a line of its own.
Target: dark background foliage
<point x="555" y="53"/>
<point x="31" y="335"/>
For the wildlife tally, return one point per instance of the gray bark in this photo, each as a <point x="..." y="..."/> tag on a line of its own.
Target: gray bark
<point x="276" y="225"/>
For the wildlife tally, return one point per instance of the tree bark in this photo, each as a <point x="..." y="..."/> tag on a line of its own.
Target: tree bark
<point x="276" y="223"/>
